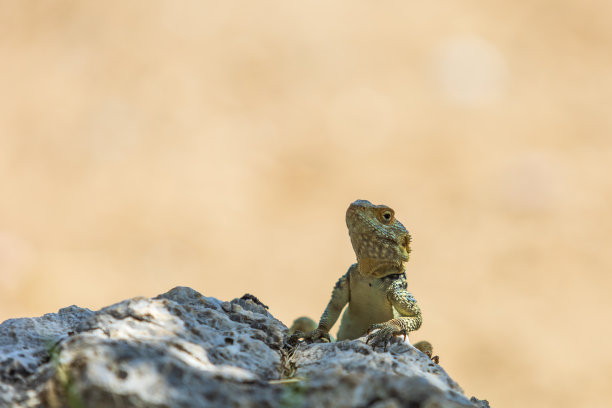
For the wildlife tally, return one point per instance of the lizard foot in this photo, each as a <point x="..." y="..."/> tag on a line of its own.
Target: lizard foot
<point x="316" y="335"/>
<point x="383" y="334"/>
<point x="427" y="348"/>
<point x="305" y="329"/>
<point x="293" y="339"/>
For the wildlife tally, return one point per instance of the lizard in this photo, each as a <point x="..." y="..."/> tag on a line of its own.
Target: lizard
<point x="375" y="288"/>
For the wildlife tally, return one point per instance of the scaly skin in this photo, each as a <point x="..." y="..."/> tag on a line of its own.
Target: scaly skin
<point x="375" y="287"/>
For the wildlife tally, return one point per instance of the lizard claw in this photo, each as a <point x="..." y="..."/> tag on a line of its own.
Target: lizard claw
<point x="372" y="328"/>
<point x="385" y="332"/>
<point x="293" y="340"/>
<point x="317" y="334"/>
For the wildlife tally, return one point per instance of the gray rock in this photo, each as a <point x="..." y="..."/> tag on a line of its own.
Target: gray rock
<point x="352" y="374"/>
<point x="24" y="357"/>
<point x="182" y="349"/>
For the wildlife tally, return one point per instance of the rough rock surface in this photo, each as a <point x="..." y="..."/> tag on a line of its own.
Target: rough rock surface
<point x="182" y="349"/>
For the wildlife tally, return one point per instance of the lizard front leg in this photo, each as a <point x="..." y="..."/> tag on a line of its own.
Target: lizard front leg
<point x="339" y="298"/>
<point x="410" y="317"/>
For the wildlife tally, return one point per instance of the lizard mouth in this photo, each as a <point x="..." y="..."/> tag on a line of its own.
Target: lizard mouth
<point x="405" y="245"/>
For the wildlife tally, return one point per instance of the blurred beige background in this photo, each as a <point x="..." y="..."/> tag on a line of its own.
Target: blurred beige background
<point x="145" y="145"/>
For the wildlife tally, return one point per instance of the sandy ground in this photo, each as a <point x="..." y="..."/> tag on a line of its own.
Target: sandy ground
<point x="145" y="145"/>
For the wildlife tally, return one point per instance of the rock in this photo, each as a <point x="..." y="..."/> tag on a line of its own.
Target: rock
<point x="354" y="372"/>
<point x="24" y="353"/>
<point x="182" y="349"/>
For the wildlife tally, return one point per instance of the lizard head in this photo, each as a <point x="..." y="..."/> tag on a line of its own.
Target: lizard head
<point x="381" y="242"/>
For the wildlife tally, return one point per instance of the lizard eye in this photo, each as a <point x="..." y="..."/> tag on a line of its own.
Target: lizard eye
<point x="387" y="216"/>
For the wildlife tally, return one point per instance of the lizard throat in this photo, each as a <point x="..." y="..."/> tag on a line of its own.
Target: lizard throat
<point x="378" y="268"/>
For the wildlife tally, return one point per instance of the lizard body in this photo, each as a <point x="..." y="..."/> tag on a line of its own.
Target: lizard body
<point x="374" y="288"/>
